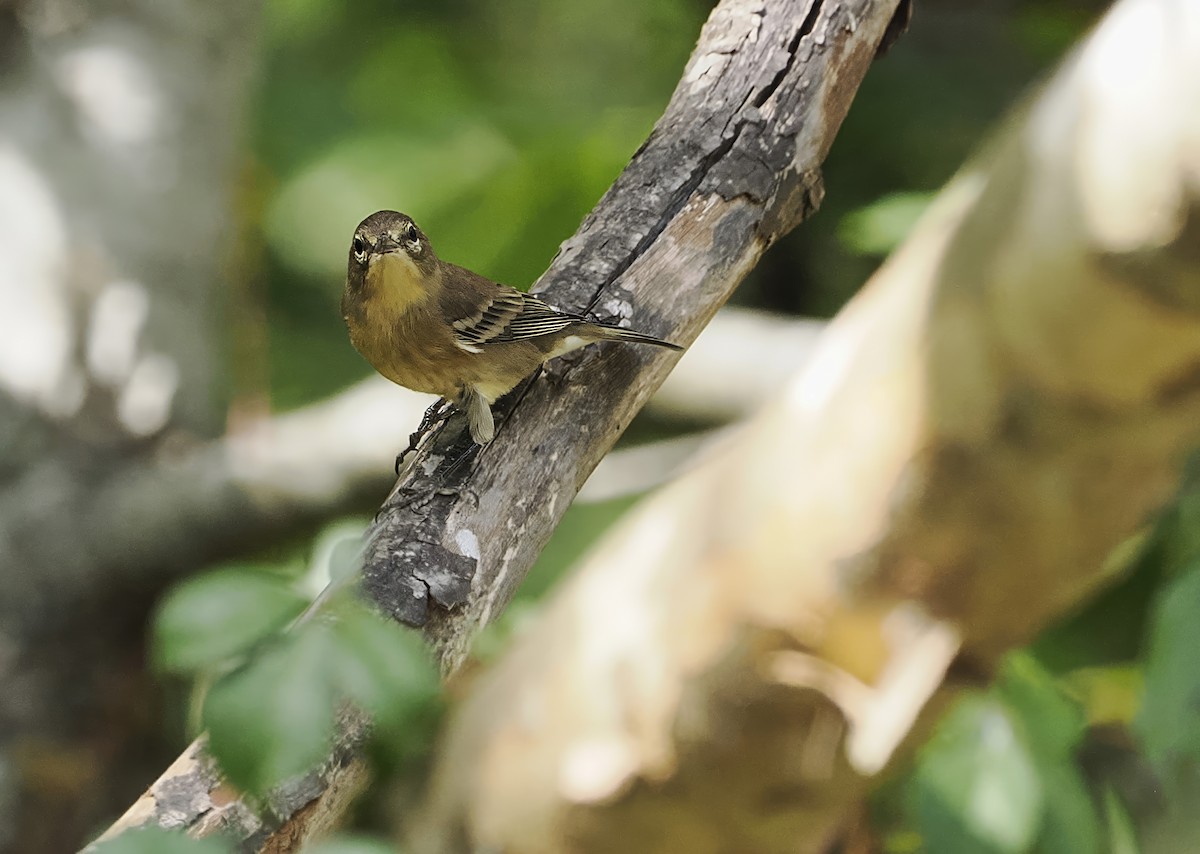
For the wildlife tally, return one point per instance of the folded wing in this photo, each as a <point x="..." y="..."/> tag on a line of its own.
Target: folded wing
<point x="509" y="315"/>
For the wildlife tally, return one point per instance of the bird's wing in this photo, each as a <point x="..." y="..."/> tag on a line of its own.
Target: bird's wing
<point x="536" y="319"/>
<point x="501" y="314"/>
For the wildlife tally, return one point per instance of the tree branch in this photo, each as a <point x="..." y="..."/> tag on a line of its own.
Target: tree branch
<point x="1008" y="401"/>
<point x="732" y="165"/>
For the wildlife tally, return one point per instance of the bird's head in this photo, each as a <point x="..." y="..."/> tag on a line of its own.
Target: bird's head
<point x="389" y="252"/>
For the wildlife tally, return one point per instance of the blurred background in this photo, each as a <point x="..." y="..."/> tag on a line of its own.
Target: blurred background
<point x="180" y="181"/>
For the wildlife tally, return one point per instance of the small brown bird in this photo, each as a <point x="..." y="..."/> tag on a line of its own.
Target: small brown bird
<point x="435" y="327"/>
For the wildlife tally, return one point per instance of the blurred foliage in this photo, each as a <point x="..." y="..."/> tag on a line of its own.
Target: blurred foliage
<point x="1169" y="723"/>
<point x="498" y="126"/>
<point x="156" y="841"/>
<point x="209" y="619"/>
<point x="999" y="774"/>
<point x="880" y="226"/>
<point x="270" y="697"/>
<point x="1078" y="747"/>
<point x="976" y="787"/>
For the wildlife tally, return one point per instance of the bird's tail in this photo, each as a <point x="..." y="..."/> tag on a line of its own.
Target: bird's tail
<point x="616" y="333"/>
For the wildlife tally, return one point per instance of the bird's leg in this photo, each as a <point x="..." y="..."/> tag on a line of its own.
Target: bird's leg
<point x="437" y="412"/>
<point x="479" y="415"/>
<point x="480" y="423"/>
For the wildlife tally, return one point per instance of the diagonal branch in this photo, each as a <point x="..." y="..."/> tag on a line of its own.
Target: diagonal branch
<point x="733" y="164"/>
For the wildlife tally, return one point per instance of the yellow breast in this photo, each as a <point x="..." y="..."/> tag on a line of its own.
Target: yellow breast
<point x="394" y="325"/>
<point x="394" y="284"/>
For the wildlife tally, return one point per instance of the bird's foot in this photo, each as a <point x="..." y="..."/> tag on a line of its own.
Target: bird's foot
<point x="437" y="412"/>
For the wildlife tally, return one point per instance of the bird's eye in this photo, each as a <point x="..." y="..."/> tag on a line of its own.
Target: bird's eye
<point x="411" y="234"/>
<point x="358" y="245"/>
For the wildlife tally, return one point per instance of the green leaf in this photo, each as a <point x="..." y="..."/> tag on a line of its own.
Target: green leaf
<point x="1179" y="531"/>
<point x="879" y="227"/>
<point x="350" y="845"/>
<point x="1122" y="838"/>
<point x="273" y="718"/>
<point x="976" y="788"/>
<point x="209" y="619"/>
<point x="386" y="669"/>
<point x="153" y="840"/>
<point x="1052" y="724"/>
<point x="1070" y="821"/>
<point x="1169" y="722"/>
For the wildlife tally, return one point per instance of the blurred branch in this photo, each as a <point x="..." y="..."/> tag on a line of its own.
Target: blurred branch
<point x="119" y="132"/>
<point x="739" y="362"/>
<point x="732" y="165"/>
<point x="643" y="467"/>
<point x="1006" y="403"/>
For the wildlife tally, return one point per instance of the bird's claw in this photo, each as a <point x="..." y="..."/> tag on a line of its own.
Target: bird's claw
<point x="437" y="412"/>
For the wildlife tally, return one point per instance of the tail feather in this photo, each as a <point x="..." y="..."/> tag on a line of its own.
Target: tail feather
<point x="616" y="333"/>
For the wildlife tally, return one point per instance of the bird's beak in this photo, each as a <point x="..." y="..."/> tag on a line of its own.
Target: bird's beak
<point x="385" y="244"/>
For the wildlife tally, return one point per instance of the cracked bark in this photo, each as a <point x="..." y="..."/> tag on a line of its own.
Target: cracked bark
<point x="732" y="165"/>
<point x="708" y="191"/>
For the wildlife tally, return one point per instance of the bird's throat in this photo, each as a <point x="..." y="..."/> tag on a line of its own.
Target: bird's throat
<point x="396" y="284"/>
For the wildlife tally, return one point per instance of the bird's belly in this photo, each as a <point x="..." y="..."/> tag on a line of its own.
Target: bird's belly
<point x="501" y="367"/>
<point x="419" y="377"/>
<point x="439" y="367"/>
<point x="398" y="358"/>
<point x="420" y="374"/>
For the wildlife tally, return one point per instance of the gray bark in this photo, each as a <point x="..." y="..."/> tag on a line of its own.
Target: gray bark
<point x="733" y="164"/>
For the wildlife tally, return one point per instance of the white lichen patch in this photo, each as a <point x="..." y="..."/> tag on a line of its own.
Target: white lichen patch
<point x="468" y="543"/>
<point x="616" y="307"/>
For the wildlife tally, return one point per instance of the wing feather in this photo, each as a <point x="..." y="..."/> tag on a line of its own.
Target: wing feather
<point x="509" y="316"/>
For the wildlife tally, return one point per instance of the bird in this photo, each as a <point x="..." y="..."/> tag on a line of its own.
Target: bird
<point x="435" y="327"/>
